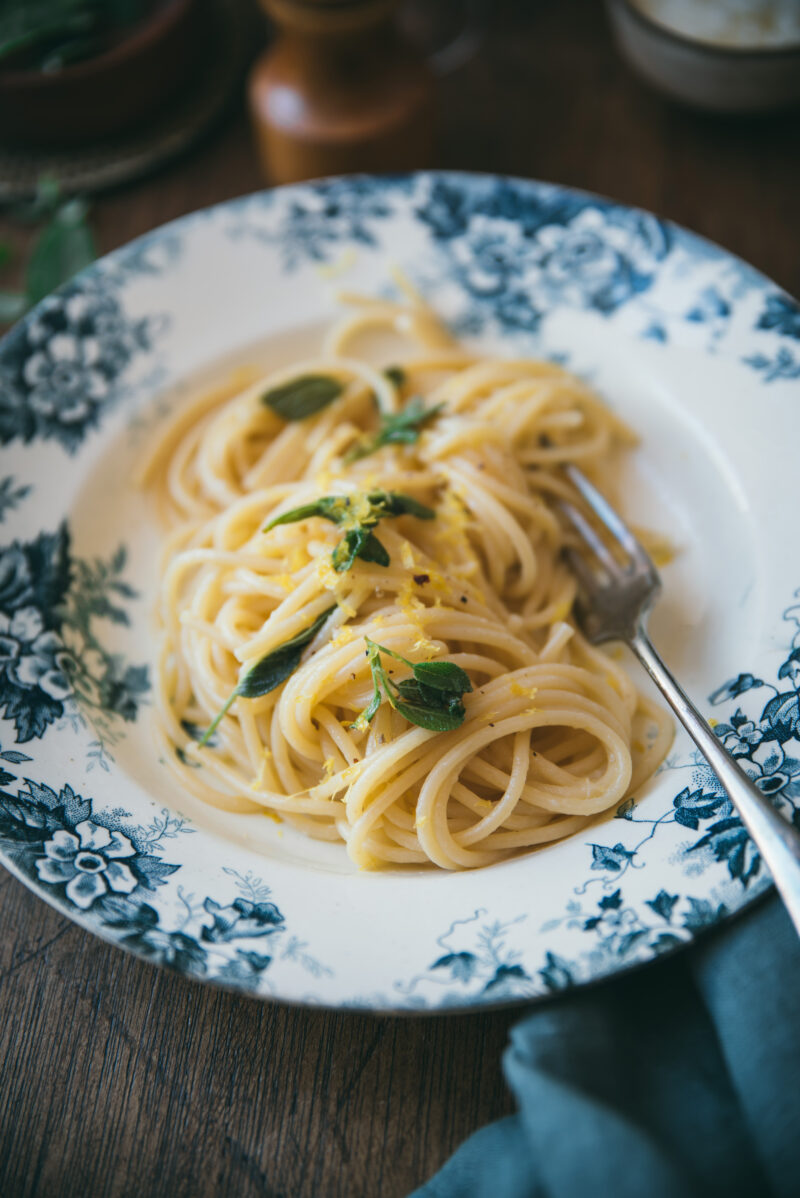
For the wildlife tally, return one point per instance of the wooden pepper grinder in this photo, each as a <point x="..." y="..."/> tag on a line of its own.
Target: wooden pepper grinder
<point x="340" y="90"/>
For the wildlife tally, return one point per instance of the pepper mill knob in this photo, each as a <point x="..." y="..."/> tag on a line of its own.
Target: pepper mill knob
<point x="340" y="90"/>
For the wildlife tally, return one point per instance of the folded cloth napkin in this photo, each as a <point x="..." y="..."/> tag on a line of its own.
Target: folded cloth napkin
<point x="681" y="1080"/>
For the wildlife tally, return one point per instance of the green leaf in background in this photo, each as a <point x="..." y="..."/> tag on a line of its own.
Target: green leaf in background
<point x="12" y="303"/>
<point x="12" y="306"/>
<point x="64" y="247"/>
<point x="303" y="396"/>
<point x="48" y="34"/>
<point x="43" y="204"/>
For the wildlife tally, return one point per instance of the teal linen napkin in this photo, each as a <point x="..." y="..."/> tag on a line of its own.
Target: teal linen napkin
<point x="681" y="1080"/>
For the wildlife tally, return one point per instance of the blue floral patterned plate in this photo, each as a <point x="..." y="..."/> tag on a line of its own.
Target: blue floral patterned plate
<point x="696" y="349"/>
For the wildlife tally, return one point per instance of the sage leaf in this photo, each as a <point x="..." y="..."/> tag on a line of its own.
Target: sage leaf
<point x="412" y="691"/>
<point x="64" y="247"/>
<point x="416" y="693"/>
<point x="397" y="504"/>
<point x="278" y="664"/>
<point x="374" y="704"/>
<point x="372" y="550"/>
<point x="358" y="542"/>
<point x="319" y="507"/>
<point x="303" y="397"/>
<point x="434" y="719"/>
<point x="270" y="671"/>
<point x="437" y="708"/>
<point x="442" y="676"/>
<point x="396" y="428"/>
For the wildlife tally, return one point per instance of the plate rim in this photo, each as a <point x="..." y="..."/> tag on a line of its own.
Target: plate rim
<point x="188" y="220"/>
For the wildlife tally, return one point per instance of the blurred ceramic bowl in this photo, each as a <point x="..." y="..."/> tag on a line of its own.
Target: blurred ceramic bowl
<point x="111" y="92"/>
<point x="718" y="75"/>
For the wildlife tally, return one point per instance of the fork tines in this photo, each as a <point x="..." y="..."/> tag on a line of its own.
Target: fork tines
<point x="611" y="520"/>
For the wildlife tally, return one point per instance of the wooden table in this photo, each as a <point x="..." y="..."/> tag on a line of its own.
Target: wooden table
<point x="118" y="1079"/>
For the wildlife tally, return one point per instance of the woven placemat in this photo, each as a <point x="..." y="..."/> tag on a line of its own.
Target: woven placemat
<point x="127" y="156"/>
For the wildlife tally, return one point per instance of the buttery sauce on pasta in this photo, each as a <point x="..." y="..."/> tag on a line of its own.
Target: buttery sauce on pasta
<point x="552" y="733"/>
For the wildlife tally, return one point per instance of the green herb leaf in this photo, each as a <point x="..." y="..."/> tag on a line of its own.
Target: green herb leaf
<point x="378" y="677"/>
<point x="358" y="541"/>
<point x="64" y="247"/>
<point x="374" y="704"/>
<point x="371" y="550"/>
<point x="303" y="397"/>
<point x="438" y="708"/>
<point x="218" y="718"/>
<point x="443" y="676"/>
<point x="396" y="375"/>
<point x="434" y="719"/>
<point x="413" y="691"/>
<point x="270" y="671"/>
<point x="326" y="508"/>
<point x="376" y="649"/>
<point x="396" y="428"/>
<point x="397" y="504"/>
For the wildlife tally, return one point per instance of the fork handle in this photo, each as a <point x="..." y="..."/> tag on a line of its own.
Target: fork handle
<point x="777" y="841"/>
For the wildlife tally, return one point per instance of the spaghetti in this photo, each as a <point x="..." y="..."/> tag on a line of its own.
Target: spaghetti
<point x="334" y="607"/>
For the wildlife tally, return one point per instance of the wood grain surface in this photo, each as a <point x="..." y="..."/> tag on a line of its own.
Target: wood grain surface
<point x="120" y="1080"/>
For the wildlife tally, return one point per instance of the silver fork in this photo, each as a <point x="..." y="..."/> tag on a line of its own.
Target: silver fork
<point x="613" y="604"/>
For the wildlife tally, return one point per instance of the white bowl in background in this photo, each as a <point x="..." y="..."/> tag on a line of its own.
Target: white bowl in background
<point x="716" y="75"/>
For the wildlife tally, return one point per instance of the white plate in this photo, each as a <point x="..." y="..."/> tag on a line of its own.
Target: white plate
<point x="697" y="350"/>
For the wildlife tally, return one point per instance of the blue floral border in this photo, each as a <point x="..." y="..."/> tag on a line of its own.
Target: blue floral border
<point x="514" y="251"/>
<point x="67" y="363"/>
<point x="54" y="665"/>
<point x="500" y="253"/>
<point x="102" y="867"/>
